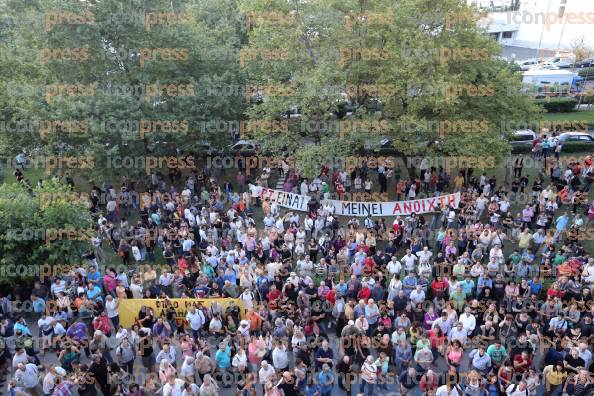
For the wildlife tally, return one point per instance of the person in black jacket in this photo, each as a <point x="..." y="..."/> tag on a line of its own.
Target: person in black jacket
<point x="99" y="370"/>
<point x="343" y="369"/>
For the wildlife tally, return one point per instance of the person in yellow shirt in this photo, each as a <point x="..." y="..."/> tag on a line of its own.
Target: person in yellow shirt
<point x="554" y="376"/>
<point x="458" y="182"/>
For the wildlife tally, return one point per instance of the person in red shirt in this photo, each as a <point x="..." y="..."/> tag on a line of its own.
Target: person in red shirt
<point x="331" y="296"/>
<point x="101" y="323"/>
<point x="363" y="247"/>
<point x="522" y="362"/>
<point x="438" y="286"/>
<point x="364" y="293"/>
<point x="274" y="296"/>
<point x="182" y="264"/>
<point x="369" y="265"/>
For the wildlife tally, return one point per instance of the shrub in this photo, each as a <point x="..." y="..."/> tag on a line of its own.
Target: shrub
<point x="558" y="105"/>
<point x="587" y="73"/>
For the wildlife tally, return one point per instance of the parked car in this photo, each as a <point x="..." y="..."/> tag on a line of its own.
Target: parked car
<point x="562" y="62"/>
<point x="581" y="138"/>
<point x="527" y="64"/>
<point x="585" y="63"/>
<point x="548" y="66"/>
<point x="522" y="137"/>
<point x="243" y="147"/>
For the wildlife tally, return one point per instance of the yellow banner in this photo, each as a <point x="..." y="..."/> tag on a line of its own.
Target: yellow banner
<point x="129" y="308"/>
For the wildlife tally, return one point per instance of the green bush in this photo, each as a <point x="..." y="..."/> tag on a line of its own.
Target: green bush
<point x="587" y="73"/>
<point x="558" y="105"/>
<point x="586" y="99"/>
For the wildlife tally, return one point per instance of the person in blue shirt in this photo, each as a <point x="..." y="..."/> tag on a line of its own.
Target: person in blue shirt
<point x="223" y="356"/>
<point x="230" y="275"/>
<point x="94" y="275"/>
<point x="409" y="283"/>
<point x="560" y="225"/>
<point x="522" y="270"/>
<point x="535" y="286"/>
<point x="94" y="293"/>
<point x="483" y="282"/>
<point x="325" y="381"/>
<point x="21" y="325"/>
<point x="467" y="286"/>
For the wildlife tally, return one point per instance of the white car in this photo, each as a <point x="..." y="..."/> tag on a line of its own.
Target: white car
<point x="527" y="64"/>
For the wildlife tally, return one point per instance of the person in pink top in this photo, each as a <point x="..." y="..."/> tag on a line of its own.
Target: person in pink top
<point x="109" y="282"/>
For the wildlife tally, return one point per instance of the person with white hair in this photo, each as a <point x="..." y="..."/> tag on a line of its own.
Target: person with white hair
<point x="209" y="387"/>
<point x="265" y="373"/>
<point x="26" y="376"/>
<point x="188" y="369"/>
<point x="166" y="370"/>
<point x="49" y="380"/>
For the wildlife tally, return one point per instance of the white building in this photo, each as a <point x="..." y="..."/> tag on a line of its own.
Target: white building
<point x="549" y="25"/>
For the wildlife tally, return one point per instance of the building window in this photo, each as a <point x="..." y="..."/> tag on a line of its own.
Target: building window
<point x="507" y="35"/>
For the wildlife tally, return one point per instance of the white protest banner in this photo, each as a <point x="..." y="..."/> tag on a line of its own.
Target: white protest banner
<point x="286" y="199"/>
<point x="363" y="209"/>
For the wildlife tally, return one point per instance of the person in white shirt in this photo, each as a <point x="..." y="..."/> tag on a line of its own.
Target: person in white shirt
<point x="394" y="267"/>
<point x="266" y="372"/>
<point x="417" y="296"/>
<point x="20" y="357"/>
<point x="304" y="188"/>
<point x="26" y="375"/>
<point x="409" y="260"/>
<point x="424" y="255"/>
<point x="136" y="289"/>
<point x="195" y="318"/>
<point x="362" y="324"/>
<point x="247" y="298"/>
<point x="448" y="390"/>
<point x="280" y="359"/>
<point x="468" y="320"/>
<point x="49" y="380"/>
<point x="111" y="306"/>
<point x="173" y="386"/>
<point x="519" y="389"/>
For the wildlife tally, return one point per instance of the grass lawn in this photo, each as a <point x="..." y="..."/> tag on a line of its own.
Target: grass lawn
<point x="584" y="115"/>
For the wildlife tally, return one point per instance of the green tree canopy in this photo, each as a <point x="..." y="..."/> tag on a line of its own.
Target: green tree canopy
<point x="406" y="70"/>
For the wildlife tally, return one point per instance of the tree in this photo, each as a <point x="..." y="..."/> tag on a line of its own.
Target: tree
<point x="46" y="227"/>
<point x="580" y="49"/>
<point x="146" y="68"/>
<point x="419" y="73"/>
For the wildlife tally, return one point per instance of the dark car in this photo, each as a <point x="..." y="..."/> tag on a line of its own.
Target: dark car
<point x="577" y="138"/>
<point x="585" y="63"/>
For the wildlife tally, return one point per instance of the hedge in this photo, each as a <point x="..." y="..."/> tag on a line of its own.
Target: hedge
<point x="587" y="73"/>
<point x="558" y="104"/>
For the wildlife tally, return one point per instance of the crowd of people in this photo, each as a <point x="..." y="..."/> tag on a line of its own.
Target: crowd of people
<point x="489" y="298"/>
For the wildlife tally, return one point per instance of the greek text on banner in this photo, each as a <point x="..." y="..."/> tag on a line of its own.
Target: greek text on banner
<point x="363" y="209"/>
